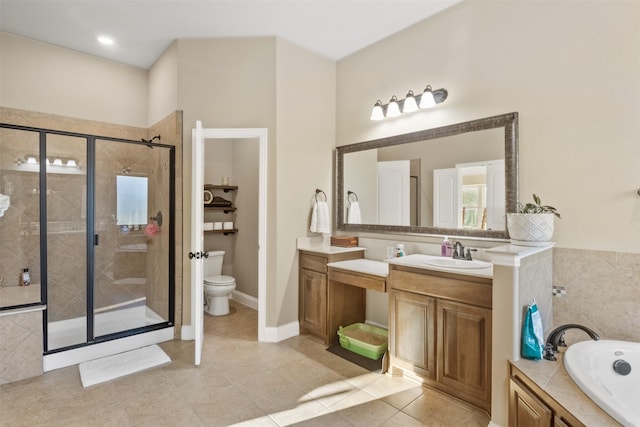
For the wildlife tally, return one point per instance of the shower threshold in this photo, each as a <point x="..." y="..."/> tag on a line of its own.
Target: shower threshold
<point x="121" y="317"/>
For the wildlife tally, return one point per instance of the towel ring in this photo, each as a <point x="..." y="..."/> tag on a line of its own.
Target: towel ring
<point x="349" y="194"/>
<point x="323" y="193"/>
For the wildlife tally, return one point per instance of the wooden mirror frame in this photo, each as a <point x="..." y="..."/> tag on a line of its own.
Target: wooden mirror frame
<point x="507" y="121"/>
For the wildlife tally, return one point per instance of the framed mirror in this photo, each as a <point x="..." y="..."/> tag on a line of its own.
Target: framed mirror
<point x="455" y="180"/>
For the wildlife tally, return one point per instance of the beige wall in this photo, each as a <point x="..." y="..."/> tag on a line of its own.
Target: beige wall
<point x="306" y="132"/>
<point x="163" y="85"/>
<point x="574" y="81"/>
<point x="40" y="77"/>
<point x="266" y="82"/>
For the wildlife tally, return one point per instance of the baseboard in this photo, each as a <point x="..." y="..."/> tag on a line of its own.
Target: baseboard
<point x="281" y="333"/>
<point x="245" y="299"/>
<point x="187" y="333"/>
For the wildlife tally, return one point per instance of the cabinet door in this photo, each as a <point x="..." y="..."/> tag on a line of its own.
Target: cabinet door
<point x="313" y="302"/>
<point x="412" y="327"/>
<point x="526" y="410"/>
<point x="464" y="350"/>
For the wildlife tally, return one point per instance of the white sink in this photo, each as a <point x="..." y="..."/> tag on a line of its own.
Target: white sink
<point x="456" y="263"/>
<point x="591" y="365"/>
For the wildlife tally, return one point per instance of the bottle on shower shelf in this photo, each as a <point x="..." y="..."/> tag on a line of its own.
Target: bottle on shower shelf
<point x="25" y="279"/>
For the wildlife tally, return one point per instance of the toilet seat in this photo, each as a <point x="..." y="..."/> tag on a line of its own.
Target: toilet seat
<point x="219" y="280"/>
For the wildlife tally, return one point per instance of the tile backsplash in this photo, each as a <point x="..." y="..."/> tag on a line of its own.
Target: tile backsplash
<point x="602" y="292"/>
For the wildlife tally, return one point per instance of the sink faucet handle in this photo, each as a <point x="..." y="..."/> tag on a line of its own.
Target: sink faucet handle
<point x="549" y="353"/>
<point x="468" y="255"/>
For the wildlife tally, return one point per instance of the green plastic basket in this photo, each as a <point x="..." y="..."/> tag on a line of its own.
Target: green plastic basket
<point x="366" y="340"/>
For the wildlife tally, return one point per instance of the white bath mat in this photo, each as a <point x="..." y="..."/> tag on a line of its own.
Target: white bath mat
<point x="111" y="367"/>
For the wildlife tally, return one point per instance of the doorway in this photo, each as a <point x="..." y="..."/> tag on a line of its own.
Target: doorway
<point x="200" y="137"/>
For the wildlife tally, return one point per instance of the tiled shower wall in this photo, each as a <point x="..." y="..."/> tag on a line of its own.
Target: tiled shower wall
<point x="602" y="292"/>
<point x="69" y="300"/>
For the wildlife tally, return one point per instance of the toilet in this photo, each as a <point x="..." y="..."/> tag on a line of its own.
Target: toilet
<point x="217" y="287"/>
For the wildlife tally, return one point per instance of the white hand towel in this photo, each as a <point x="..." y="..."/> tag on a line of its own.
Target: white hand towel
<point x="323" y="225"/>
<point x="320" y="218"/>
<point x="353" y="213"/>
<point x="314" y="218"/>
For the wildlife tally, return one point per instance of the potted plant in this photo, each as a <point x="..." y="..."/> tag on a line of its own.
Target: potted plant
<point x="532" y="224"/>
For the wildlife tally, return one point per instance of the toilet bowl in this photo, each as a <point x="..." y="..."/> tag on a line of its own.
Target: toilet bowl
<point x="217" y="287"/>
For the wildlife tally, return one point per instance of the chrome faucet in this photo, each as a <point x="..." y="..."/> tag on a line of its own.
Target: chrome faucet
<point x="556" y="338"/>
<point x="459" y="252"/>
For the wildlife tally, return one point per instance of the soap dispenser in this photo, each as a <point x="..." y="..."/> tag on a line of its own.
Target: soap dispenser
<point x="444" y="249"/>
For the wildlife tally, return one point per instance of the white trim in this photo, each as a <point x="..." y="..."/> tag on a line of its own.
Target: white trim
<point x="187" y="333"/>
<point x="281" y="333"/>
<point x="245" y="299"/>
<point x="261" y="135"/>
<point x="108" y="348"/>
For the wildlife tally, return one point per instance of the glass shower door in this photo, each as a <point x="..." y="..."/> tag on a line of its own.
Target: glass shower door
<point x="131" y="254"/>
<point x="66" y="240"/>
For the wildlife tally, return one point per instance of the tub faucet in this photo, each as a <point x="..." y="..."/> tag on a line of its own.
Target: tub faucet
<point x="459" y="252"/>
<point x="556" y="338"/>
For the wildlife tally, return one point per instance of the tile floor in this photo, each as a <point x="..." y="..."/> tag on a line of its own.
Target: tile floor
<point x="240" y="382"/>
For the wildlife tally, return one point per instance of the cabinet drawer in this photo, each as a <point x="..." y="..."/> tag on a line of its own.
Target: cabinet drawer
<point x="356" y="279"/>
<point x="313" y="262"/>
<point x="474" y="291"/>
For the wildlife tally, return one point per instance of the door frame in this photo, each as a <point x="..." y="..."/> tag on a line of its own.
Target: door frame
<point x="199" y="137"/>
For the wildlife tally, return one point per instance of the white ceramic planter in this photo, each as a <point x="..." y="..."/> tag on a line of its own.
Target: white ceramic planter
<point x="530" y="229"/>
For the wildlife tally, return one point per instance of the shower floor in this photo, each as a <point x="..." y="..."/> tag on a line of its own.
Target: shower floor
<point x="69" y="332"/>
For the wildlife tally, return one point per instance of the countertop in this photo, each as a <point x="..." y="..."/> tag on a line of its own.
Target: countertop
<point x="418" y="261"/>
<point x="363" y="265"/>
<point x="555" y="381"/>
<point x="322" y="246"/>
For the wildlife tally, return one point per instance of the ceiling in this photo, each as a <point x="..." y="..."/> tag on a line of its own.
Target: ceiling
<point x="143" y="29"/>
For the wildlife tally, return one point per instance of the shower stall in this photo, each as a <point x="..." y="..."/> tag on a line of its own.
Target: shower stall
<point x="92" y="220"/>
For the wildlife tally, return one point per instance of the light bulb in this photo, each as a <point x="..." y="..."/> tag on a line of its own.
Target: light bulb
<point x="393" y="109"/>
<point x="377" y="113"/>
<point x="410" y="103"/>
<point x="427" y="100"/>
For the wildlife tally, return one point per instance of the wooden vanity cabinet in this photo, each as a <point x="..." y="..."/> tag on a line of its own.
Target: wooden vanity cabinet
<point x="313" y="289"/>
<point x="440" y="331"/>
<point x="530" y="406"/>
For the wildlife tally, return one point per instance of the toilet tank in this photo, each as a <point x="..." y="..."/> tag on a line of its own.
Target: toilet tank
<point x="213" y="264"/>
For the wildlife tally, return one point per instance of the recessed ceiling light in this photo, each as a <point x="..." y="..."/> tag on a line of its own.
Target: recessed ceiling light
<point x="105" y="40"/>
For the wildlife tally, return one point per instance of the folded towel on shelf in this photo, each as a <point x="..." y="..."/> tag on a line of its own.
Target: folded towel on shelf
<point x="353" y="213"/>
<point x="320" y="218"/>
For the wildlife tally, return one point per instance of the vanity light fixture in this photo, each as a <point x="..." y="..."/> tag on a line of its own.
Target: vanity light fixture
<point x="427" y="99"/>
<point x="33" y="159"/>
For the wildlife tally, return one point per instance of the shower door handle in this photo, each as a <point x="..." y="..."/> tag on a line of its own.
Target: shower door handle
<point x="95" y="240"/>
